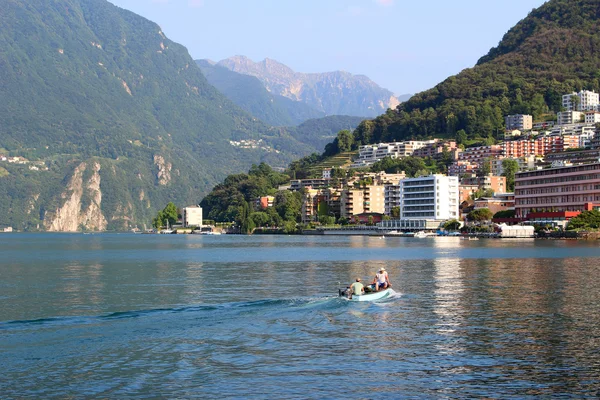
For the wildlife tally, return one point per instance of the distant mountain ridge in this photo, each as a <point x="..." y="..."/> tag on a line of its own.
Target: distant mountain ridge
<point x="334" y="93"/>
<point x="249" y="93"/>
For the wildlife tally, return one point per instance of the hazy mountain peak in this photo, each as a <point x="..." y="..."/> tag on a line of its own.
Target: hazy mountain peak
<point x="334" y="93"/>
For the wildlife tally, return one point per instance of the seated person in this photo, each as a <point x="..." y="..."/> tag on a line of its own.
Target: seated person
<point x="356" y="288"/>
<point x="381" y="280"/>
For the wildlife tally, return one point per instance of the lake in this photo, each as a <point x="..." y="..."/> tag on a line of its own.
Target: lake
<point x="189" y="316"/>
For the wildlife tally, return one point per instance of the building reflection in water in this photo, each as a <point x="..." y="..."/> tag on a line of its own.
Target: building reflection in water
<point x="448" y="295"/>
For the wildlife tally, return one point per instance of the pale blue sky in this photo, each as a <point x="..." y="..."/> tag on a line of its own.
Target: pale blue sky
<point x="404" y="46"/>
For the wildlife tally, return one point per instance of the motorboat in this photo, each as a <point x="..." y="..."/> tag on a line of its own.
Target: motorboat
<point x="369" y="296"/>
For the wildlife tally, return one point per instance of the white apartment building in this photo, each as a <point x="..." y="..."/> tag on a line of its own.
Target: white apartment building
<point x="192" y="216"/>
<point x="371" y="153"/>
<point x="592" y="117"/>
<point x="433" y="197"/>
<point x="587" y="101"/>
<point x="424" y="202"/>
<point x="569" y="117"/>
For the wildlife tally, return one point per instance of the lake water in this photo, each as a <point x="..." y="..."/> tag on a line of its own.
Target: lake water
<point x="184" y="316"/>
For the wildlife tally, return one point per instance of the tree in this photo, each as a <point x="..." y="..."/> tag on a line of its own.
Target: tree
<point x="395" y="212"/>
<point x="586" y="220"/>
<point x="452" y="225"/>
<point x="480" y="215"/>
<point x="485" y="168"/>
<point x="170" y="213"/>
<point x="345" y="140"/>
<point x="510" y="167"/>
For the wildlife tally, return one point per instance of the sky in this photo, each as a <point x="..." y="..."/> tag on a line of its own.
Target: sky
<point x="404" y="46"/>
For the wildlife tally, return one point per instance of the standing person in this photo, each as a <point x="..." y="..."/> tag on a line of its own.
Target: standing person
<point x="357" y="288"/>
<point x="381" y="280"/>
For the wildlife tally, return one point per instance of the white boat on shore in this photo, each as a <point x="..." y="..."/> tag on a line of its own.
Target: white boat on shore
<point x="422" y="234"/>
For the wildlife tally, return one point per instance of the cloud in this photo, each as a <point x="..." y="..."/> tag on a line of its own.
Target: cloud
<point x="385" y="3"/>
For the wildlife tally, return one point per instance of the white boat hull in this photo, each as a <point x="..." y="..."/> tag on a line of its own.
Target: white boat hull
<point x="382" y="294"/>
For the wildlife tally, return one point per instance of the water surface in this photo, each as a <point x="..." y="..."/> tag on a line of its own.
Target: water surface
<point x="184" y="316"/>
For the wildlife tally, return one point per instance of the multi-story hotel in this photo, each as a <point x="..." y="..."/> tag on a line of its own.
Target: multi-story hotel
<point x="555" y="191"/>
<point x="425" y="202"/>
<point x="429" y="197"/>
<point x="521" y="122"/>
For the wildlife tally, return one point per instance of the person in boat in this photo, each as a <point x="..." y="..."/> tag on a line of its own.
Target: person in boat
<point x="357" y="288"/>
<point x="381" y="280"/>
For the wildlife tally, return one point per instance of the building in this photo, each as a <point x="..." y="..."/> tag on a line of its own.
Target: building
<point x="521" y="122"/>
<point x="392" y="198"/>
<point x="317" y="183"/>
<point x="433" y="197"/>
<point x="494" y="182"/>
<point x="425" y="203"/>
<point x="539" y="146"/>
<point x="583" y="101"/>
<point x="570" y="117"/>
<point x="550" y="193"/>
<point x="461" y="168"/>
<point x="437" y="149"/>
<point x="592" y="117"/>
<point x="466" y="191"/>
<point x="320" y="202"/>
<point x="371" y="153"/>
<point x="525" y="163"/>
<point x="352" y="202"/>
<point x="478" y="154"/>
<point x="192" y="216"/>
<point x="588" y="156"/>
<point x="498" y="202"/>
<point x="265" y="202"/>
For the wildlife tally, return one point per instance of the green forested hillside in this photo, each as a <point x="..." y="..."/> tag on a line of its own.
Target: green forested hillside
<point x="318" y="132"/>
<point x="553" y="51"/>
<point x="86" y="82"/>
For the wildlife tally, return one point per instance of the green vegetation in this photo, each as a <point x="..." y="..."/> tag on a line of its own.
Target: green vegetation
<point x="505" y="214"/>
<point x="452" y="225"/>
<point x="234" y="200"/>
<point x="166" y="217"/>
<point x="510" y="167"/>
<point x="480" y="215"/>
<point x="586" y="221"/>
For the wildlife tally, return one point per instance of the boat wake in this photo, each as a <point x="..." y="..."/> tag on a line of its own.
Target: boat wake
<point x="208" y="311"/>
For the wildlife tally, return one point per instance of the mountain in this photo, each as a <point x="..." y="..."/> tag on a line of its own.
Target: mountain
<point x="318" y="132"/>
<point x="112" y="120"/>
<point x="251" y="95"/>
<point x="334" y="93"/>
<point x="551" y="52"/>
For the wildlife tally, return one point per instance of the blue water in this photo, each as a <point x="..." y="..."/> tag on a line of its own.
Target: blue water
<point x="174" y="316"/>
